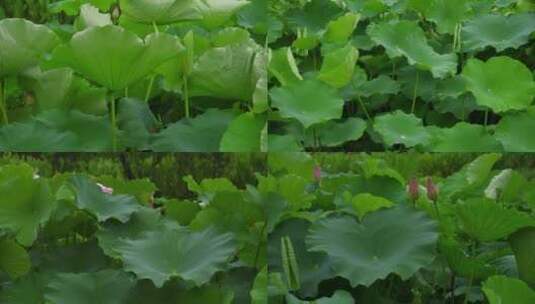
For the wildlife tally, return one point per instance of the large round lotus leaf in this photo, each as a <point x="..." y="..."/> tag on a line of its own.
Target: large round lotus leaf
<point x="225" y="72"/>
<point x="463" y="265"/>
<point x="103" y="287"/>
<point x="338" y="66"/>
<point x="191" y="256"/>
<point x="504" y="290"/>
<point x="14" y="260"/>
<point x="161" y="11"/>
<point x="497" y="30"/>
<point x="401" y="128"/>
<point x="283" y="143"/>
<point x="523" y="244"/>
<point x="339" y="30"/>
<point x="488" y="220"/>
<point x="25" y="203"/>
<point x="501" y="83"/>
<point x="406" y="38"/>
<point x="113" y="57"/>
<point x="446" y="13"/>
<point x="244" y="134"/>
<point x="22" y="44"/>
<point x="34" y="136"/>
<point x="314" y="267"/>
<point x="283" y="66"/>
<point x="103" y="206"/>
<point x="334" y="133"/>
<point x="515" y="132"/>
<point x="463" y="137"/>
<point x="199" y="134"/>
<point x="309" y="101"/>
<point x="112" y="234"/>
<point x="314" y="17"/>
<point x="399" y="240"/>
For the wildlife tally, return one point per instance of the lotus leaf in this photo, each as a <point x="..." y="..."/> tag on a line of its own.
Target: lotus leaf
<point x="397" y="240"/>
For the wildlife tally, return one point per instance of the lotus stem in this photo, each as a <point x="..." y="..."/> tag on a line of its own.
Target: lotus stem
<point x="149" y="89"/>
<point x="155" y="27"/>
<point x="3" y="94"/>
<point x="486" y="117"/>
<point x="186" y="96"/>
<point x="364" y="109"/>
<point x="413" y="107"/>
<point x="113" y="125"/>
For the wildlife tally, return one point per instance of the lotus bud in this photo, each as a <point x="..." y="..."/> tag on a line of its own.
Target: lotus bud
<point x="413" y="189"/>
<point x="432" y="190"/>
<point x="317" y="173"/>
<point x="105" y="189"/>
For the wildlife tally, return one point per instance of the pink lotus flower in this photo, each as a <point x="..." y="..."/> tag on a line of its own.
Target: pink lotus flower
<point x="432" y="190"/>
<point x="317" y="173"/>
<point x="413" y="189"/>
<point x="105" y="189"/>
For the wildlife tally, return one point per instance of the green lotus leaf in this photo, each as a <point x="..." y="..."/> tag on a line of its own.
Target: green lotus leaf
<point x="137" y="122"/>
<point x="501" y="83"/>
<point x="504" y="290"/>
<point x="142" y="189"/>
<point x="103" y="206"/>
<point x="290" y="186"/>
<point x="106" y="287"/>
<point x="333" y="133"/>
<point x="261" y="79"/>
<point x="181" y="211"/>
<point x="368" y="8"/>
<point x="225" y="72"/>
<point x="406" y="38"/>
<point x="61" y="89"/>
<point x="208" y="187"/>
<point x="339" y="30"/>
<point x="283" y="66"/>
<point x="90" y="17"/>
<point x="382" y="85"/>
<point x="200" y="134"/>
<point x="73" y="258"/>
<point x="376" y="167"/>
<point x="463" y="265"/>
<point x="514" y="132"/>
<point x="14" y="259"/>
<point x="259" y="292"/>
<point x="463" y="137"/>
<point x="92" y="132"/>
<point x="447" y="14"/>
<point x="23" y="44"/>
<point x="338" y="66"/>
<point x="471" y="176"/>
<point x="523" y="244"/>
<point x="309" y="101"/>
<point x="35" y="136"/>
<point x="173" y="292"/>
<point x="398" y="240"/>
<point x="25" y="204"/>
<point x="113" y="57"/>
<point x="314" y="16"/>
<point x="401" y="128"/>
<point x="191" y="256"/>
<point x="498" y="31"/>
<point x="161" y="12"/>
<point x="26" y="290"/>
<point x="112" y="234"/>
<point x="283" y="143"/>
<point x="314" y="267"/>
<point x="365" y="203"/>
<point x="216" y="13"/>
<point x="244" y="134"/>
<point x="487" y="220"/>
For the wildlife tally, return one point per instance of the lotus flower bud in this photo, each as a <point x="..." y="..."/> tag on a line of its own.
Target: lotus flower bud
<point x="105" y="189"/>
<point x="432" y="190"/>
<point x="413" y="189"/>
<point x="317" y="173"/>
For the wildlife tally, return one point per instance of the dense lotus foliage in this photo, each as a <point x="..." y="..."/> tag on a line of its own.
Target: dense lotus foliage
<point x="374" y="235"/>
<point x="429" y="75"/>
<point x="106" y="75"/>
<point x="75" y="238"/>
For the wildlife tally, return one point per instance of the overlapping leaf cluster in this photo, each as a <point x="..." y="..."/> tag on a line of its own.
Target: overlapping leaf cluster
<point x="439" y="75"/>
<point x="72" y="238"/>
<point x="101" y="75"/>
<point x="359" y="237"/>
